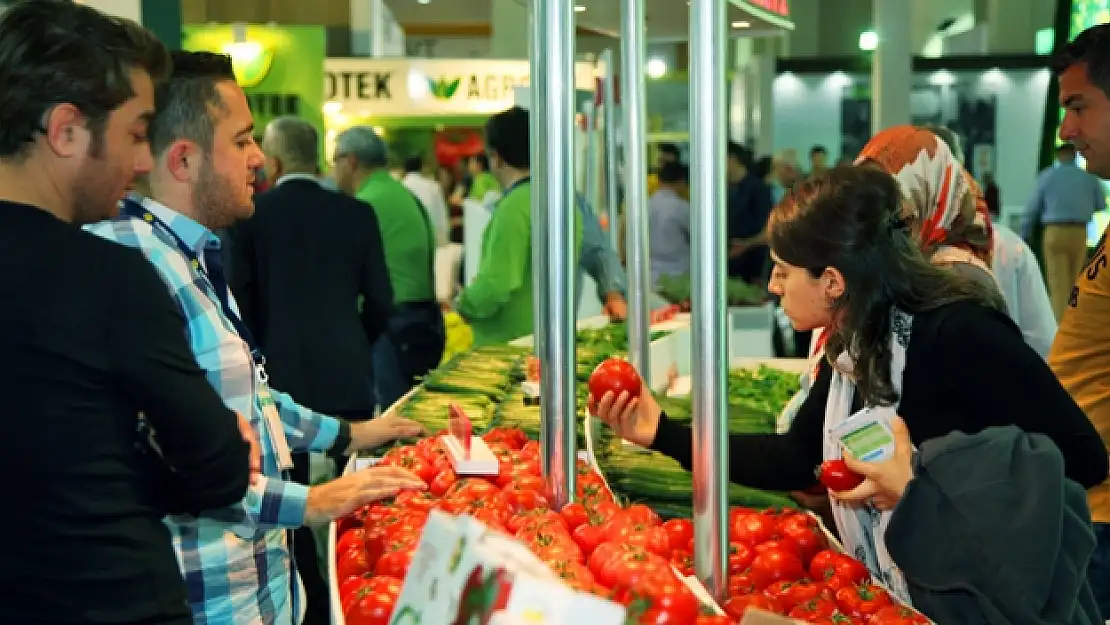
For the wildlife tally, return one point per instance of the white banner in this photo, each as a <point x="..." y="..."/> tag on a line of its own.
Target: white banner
<point x="369" y="87"/>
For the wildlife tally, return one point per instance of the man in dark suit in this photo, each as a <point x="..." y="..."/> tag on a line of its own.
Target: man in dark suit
<point x="301" y="266"/>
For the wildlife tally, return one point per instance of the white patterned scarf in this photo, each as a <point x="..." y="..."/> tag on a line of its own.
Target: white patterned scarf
<point x="862" y="528"/>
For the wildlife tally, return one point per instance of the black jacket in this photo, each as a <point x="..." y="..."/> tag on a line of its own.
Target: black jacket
<point x="301" y="266"/>
<point x="990" y="531"/>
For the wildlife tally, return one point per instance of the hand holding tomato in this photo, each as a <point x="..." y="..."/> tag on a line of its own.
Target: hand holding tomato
<point x="633" y="418"/>
<point x="886" y="480"/>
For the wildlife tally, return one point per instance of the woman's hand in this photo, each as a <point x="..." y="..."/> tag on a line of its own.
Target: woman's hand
<point x="634" y="420"/>
<point x="884" y="481"/>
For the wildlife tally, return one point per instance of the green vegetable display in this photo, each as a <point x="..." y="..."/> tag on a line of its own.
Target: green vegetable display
<point x="676" y="290"/>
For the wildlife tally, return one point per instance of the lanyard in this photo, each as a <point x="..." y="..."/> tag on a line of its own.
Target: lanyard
<point x="215" y="277"/>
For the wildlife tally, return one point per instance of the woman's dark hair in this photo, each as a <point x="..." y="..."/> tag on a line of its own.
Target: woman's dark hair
<point x="763" y="167"/>
<point x="849" y="219"/>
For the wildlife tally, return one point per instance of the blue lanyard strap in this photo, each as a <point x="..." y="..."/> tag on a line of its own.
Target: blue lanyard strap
<point x="212" y="270"/>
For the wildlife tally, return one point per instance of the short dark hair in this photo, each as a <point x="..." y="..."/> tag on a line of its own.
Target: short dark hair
<point x="1092" y="47"/>
<point x="63" y="52"/>
<point x="743" y="155"/>
<point x="818" y="149"/>
<point x="482" y="160"/>
<point x="187" y="104"/>
<point x="674" y="171"/>
<point x="507" y="136"/>
<point x="414" y="164"/>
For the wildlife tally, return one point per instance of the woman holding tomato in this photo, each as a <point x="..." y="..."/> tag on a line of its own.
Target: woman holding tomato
<point x="902" y="333"/>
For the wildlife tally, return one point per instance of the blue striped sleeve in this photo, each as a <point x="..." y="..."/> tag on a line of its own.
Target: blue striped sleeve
<point x="305" y="429"/>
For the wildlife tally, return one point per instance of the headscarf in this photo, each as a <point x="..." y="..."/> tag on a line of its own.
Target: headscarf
<point x="943" y="201"/>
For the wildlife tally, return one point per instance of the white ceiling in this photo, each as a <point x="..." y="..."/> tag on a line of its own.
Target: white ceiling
<point x="666" y="19"/>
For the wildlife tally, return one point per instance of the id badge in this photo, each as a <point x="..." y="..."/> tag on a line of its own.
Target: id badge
<point x="277" y="432"/>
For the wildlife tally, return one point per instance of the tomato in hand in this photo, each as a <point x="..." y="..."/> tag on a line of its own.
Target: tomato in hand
<point x="837" y="477"/>
<point x="614" y="376"/>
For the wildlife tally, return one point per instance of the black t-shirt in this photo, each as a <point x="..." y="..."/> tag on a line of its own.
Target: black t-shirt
<point x="967" y="369"/>
<point x="89" y="337"/>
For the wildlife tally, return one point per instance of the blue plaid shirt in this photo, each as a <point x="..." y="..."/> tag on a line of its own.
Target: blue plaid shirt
<point x="236" y="561"/>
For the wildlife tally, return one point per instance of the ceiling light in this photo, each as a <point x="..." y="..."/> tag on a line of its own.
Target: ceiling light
<point x="868" y="40"/>
<point x="578" y="8"/>
<point x="656" y="68"/>
<point x="423" y="1"/>
<point x="741" y="24"/>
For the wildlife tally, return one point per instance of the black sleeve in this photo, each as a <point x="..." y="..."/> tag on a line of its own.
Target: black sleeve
<point x="767" y="461"/>
<point x="197" y="434"/>
<point x="244" y="283"/>
<point x="1002" y="381"/>
<point x="377" y="292"/>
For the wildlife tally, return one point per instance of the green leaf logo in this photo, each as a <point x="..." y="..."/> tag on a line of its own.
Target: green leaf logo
<point x="250" y="70"/>
<point x="443" y="89"/>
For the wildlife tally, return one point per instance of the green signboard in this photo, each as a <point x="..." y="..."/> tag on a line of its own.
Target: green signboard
<point x="281" y="68"/>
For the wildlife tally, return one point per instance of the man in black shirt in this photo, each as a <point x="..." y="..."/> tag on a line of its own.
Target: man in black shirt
<point x="86" y="543"/>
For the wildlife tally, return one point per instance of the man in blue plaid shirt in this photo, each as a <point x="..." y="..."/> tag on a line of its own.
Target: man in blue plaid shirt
<point x="236" y="562"/>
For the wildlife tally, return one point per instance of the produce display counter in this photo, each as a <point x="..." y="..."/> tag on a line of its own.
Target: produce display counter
<point x="645" y="485"/>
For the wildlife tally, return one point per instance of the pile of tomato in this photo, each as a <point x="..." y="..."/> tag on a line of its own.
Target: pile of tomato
<point x="777" y="561"/>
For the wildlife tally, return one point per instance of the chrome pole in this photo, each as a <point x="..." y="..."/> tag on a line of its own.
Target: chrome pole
<point x="553" y="219"/>
<point x="633" y="92"/>
<point x="612" y="154"/>
<point x="709" y="362"/>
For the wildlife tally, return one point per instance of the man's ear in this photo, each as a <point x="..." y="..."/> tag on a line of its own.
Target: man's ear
<point x="183" y="159"/>
<point x="66" y="131"/>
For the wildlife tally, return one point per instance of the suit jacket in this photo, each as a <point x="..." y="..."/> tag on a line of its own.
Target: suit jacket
<point x="301" y="265"/>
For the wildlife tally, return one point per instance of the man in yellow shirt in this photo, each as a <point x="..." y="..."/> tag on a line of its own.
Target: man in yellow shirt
<point x="1080" y="355"/>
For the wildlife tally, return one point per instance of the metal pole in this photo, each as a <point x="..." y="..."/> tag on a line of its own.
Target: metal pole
<point x="709" y="362"/>
<point x="635" y="183"/>
<point x="553" y="218"/>
<point x="590" y="182"/>
<point x="612" y="154"/>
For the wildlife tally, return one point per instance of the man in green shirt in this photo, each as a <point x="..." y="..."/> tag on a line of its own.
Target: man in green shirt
<point x="414" y="340"/>
<point x="482" y="182"/>
<point x="498" y="302"/>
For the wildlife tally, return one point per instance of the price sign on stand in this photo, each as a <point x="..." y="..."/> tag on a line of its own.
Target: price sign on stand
<point x="460" y="427"/>
<point x="469" y="454"/>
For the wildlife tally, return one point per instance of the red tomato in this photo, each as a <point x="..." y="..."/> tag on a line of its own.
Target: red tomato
<point x="837" y="477"/>
<point x="575" y="515"/>
<point x="395" y="561"/>
<point x="791" y="594"/>
<point x="518" y="500"/>
<point x="640" y="514"/>
<point x="418" y="465"/>
<point x="778" y="564"/>
<point x="736" y="607"/>
<point x="416" y="500"/>
<point x="575" y="575"/>
<point x="351" y="538"/>
<point x="665" y="600"/>
<point x="680" y="531"/>
<point x="897" y="615"/>
<point x="604" y="509"/>
<point x="713" y="619"/>
<point x="512" y="438"/>
<point x="753" y="529"/>
<point x="828" y="564"/>
<point x="616" y="376"/>
<point x="862" y="601"/>
<point x="814" y="611"/>
<point x="352" y="563"/>
<point x="809" y="541"/>
<point x="683" y="561"/>
<point x="374" y="602"/>
<point x="442" y="482"/>
<point x="746" y="582"/>
<point x="823" y="564"/>
<point x="588" y="537"/>
<point x="740" y="557"/>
